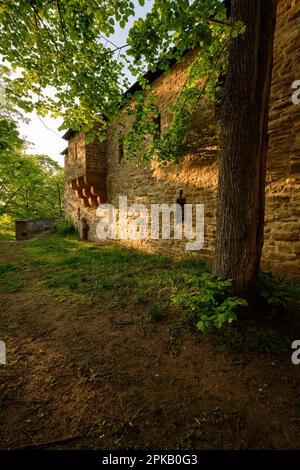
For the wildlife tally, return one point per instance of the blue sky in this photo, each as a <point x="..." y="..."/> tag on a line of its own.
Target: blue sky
<point x="43" y="135"/>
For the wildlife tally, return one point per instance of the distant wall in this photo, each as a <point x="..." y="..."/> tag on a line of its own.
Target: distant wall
<point x="26" y="229"/>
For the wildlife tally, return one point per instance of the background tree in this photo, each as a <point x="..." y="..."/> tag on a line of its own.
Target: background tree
<point x="30" y="185"/>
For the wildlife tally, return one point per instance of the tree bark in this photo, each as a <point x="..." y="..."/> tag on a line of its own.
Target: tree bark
<point x="244" y="145"/>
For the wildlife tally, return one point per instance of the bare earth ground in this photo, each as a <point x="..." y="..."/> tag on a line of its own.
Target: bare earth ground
<point x="97" y="360"/>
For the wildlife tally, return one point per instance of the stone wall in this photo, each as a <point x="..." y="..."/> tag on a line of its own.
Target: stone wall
<point x="197" y="173"/>
<point x="26" y="229"/>
<point x="282" y="228"/>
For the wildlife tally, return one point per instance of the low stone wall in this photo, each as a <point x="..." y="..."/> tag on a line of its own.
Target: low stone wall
<point x="26" y="229"/>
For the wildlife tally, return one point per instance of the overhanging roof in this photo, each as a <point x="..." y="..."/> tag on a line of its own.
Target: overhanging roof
<point x="65" y="151"/>
<point x="70" y="133"/>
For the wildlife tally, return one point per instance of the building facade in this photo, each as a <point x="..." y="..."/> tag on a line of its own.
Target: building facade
<point x="98" y="173"/>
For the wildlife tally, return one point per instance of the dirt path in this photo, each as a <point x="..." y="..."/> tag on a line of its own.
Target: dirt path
<point x="92" y="377"/>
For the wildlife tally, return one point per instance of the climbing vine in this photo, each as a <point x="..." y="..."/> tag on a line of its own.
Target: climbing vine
<point x="204" y="78"/>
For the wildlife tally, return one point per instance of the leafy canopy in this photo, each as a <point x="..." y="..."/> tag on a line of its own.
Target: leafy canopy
<point x="66" y="63"/>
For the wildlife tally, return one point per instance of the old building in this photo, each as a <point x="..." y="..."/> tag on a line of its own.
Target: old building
<point x="98" y="173"/>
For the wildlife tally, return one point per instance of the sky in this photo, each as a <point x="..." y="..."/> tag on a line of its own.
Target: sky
<point x="42" y="133"/>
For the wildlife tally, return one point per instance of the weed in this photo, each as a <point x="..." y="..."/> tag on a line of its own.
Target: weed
<point x="214" y="417"/>
<point x="141" y="298"/>
<point x="154" y="313"/>
<point x="90" y="375"/>
<point x="10" y="280"/>
<point x="51" y="382"/>
<point x="174" y="350"/>
<point x="194" y="265"/>
<point x="277" y="291"/>
<point x="188" y="437"/>
<point x="210" y="297"/>
<point x="251" y="337"/>
<point x="12" y="321"/>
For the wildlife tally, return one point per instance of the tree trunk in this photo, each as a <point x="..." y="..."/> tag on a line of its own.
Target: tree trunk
<point x="244" y="144"/>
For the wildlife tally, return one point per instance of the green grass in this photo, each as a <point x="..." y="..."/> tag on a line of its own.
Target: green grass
<point x="7" y="268"/>
<point x="155" y="313"/>
<point x="84" y="274"/>
<point x="7" y="235"/>
<point x="10" y="279"/>
<point x="88" y="273"/>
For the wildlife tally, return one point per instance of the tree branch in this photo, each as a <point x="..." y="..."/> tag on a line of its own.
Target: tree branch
<point x="213" y="20"/>
<point x="36" y="12"/>
<point x="61" y="20"/>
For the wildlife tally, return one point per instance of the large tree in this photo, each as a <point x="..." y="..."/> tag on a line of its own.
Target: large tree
<point x="244" y="145"/>
<point x="65" y="45"/>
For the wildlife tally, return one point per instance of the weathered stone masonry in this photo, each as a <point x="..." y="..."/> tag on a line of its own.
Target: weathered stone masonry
<point x="26" y="229"/>
<point x="95" y="175"/>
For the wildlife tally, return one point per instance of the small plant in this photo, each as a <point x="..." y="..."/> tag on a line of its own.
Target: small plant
<point x="141" y="298"/>
<point x="210" y="298"/>
<point x="174" y="350"/>
<point x="154" y="313"/>
<point x="276" y="291"/>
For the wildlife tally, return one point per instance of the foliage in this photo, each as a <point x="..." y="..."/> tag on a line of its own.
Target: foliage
<point x="10" y="141"/>
<point x="277" y="291"/>
<point x="171" y="28"/>
<point x="65" y="62"/>
<point x="67" y="65"/>
<point x="7" y="228"/>
<point x="145" y="112"/>
<point x="154" y="313"/>
<point x="209" y="297"/>
<point x="30" y="185"/>
<point x="163" y="37"/>
<point x="63" y="227"/>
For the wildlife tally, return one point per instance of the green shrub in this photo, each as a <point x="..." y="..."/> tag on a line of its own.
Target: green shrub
<point x="211" y="300"/>
<point x="277" y="291"/>
<point x="64" y="227"/>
